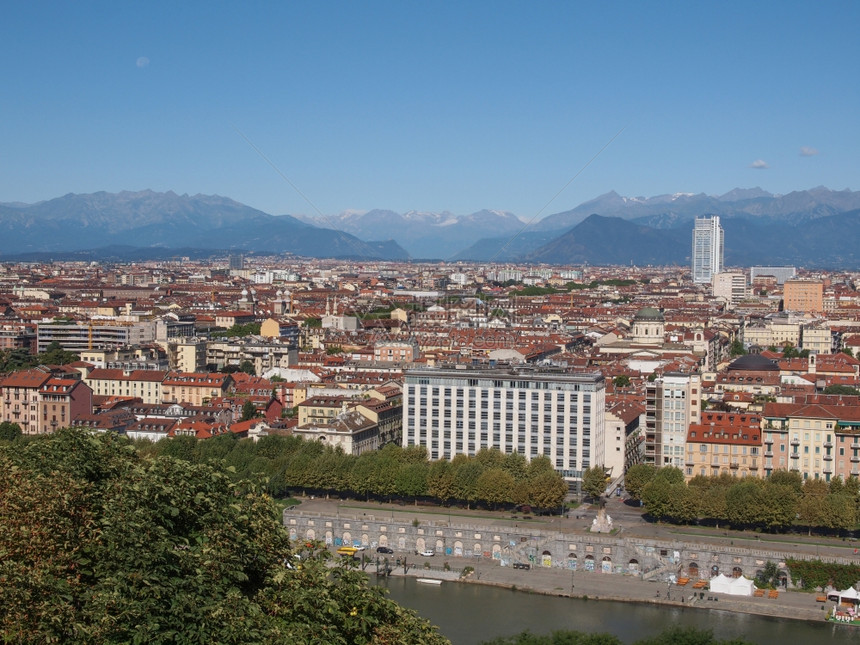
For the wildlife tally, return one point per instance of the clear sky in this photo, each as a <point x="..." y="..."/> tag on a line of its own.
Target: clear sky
<point x="427" y="105"/>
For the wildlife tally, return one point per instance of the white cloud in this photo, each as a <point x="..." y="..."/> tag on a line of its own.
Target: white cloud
<point x="143" y="61"/>
<point x="806" y="151"/>
<point x="759" y="164"/>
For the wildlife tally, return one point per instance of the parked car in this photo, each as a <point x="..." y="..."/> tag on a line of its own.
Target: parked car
<point x="384" y="549"/>
<point x="427" y="553"/>
<point x="522" y="565"/>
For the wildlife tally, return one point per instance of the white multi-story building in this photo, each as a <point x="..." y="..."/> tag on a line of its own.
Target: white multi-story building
<point x="730" y="286"/>
<point x="672" y="403"/>
<point x="707" y="249"/>
<point x="526" y="410"/>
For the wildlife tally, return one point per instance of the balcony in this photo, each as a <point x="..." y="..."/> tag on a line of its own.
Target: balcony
<point x="768" y="453"/>
<point x="795" y="455"/>
<point x="828" y="468"/>
<point x="768" y="440"/>
<point x="734" y="465"/>
<point x="828" y="444"/>
<point x="855" y="459"/>
<point x="855" y="445"/>
<point x="828" y="457"/>
<point x="753" y="466"/>
<point x="795" y="442"/>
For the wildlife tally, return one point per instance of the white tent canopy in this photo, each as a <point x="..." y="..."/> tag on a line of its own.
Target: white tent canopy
<point x="733" y="586"/>
<point x="849" y="594"/>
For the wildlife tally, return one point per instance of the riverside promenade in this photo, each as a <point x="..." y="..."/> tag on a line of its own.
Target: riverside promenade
<point x="627" y="521"/>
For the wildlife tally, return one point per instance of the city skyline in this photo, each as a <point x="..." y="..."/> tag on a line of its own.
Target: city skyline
<point x="299" y="109"/>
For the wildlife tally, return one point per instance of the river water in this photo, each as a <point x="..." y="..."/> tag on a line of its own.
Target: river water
<point x="469" y="614"/>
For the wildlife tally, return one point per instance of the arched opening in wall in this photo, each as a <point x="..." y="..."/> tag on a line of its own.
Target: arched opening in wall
<point x="589" y="562"/>
<point x="458" y="548"/>
<point x="311" y="534"/>
<point x="401" y="543"/>
<point x="329" y="538"/>
<point x="633" y="566"/>
<point x="783" y="579"/>
<point x="759" y="573"/>
<point x="546" y="559"/>
<point x="347" y="538"/>
<point x="715" y="571"/>
<point x="420" y="545"/>
<point x="606" y="564"/>
<point x="477" y="552"/>
<point x="693" y="570"/>
<point x="571" y="561"/>
<point x="737" y="572"/>
<point x="383" y="540"/>
<point x="365" y="539"/>
<point x="440" y="546"/>
<point x="497" y="552"/>
<point x="294" y="534"/>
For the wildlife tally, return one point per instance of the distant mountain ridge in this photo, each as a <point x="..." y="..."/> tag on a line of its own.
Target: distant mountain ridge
<point x="425" y="234"/>
<point x="167" y="220"/>
<point x="816" y="227"/>
<point x="832" y="242"/>
<point x="760" y="228"/>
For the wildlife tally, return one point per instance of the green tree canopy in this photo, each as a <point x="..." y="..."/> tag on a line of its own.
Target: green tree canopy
<point x="637" y="477"/>
<point x="249" y="411"/>
<point x="9" y="431"/>
<point x="594" y="481"/>
<point x="102" y="546"/>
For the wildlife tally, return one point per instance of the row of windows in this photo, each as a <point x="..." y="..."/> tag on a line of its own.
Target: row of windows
<point x="507" y="394"/>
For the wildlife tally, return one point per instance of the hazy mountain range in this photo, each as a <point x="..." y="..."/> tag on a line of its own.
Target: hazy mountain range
<point x="817" y="227"/>
<point x="161" y="221"/>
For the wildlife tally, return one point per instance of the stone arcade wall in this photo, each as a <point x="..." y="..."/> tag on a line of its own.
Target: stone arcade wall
<point x="575" y="551"/>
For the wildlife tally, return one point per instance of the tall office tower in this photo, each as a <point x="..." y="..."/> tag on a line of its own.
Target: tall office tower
<point x="529" y="411"/>
<point x="707" y="249"/>
<point x="237" y="262"/>
<point x="672" y="403"/>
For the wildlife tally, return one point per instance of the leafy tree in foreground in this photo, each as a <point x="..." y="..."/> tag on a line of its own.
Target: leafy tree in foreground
<point x="102" y="546"/>
<point x="637" y="477"/>
<point x="594" y="481"/>
<point x="9" y="431"/>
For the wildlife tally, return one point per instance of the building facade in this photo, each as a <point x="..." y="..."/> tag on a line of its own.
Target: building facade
<point x="806" y="296"/>
<point x="530" y="411"/>
<point x="672" y="403"/>
<point x="730" y="286"/>
<point x="725" y="443"/>
<point x="707" y="249"/>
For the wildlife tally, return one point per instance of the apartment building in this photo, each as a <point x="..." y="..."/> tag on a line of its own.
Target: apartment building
<point x="40" y="401"/>
<point x="806" y="296"/>
<point x="142" y="384"/>
<point x="730" y="286"/>
<point x="725" y="443"/>
<point x="532" y="411"/>
<point x="672" y="403"/>
<point x="195" y="388"/>
<point x="818" y="437"/>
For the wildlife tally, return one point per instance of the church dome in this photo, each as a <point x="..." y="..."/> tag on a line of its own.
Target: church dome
<point x="753" y="363"/>
<point x="649" y="313"/>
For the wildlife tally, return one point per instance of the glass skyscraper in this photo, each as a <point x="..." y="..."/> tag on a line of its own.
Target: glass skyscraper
<point x="707" y="249"/>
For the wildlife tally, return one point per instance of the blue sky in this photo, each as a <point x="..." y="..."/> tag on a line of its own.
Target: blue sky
<point x="429" y="106"/>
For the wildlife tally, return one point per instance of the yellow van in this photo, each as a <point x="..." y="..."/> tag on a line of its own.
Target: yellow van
<point x="347" y="550"/>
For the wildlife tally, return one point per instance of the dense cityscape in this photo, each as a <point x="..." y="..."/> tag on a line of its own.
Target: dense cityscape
<point x="390" y="323"/>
